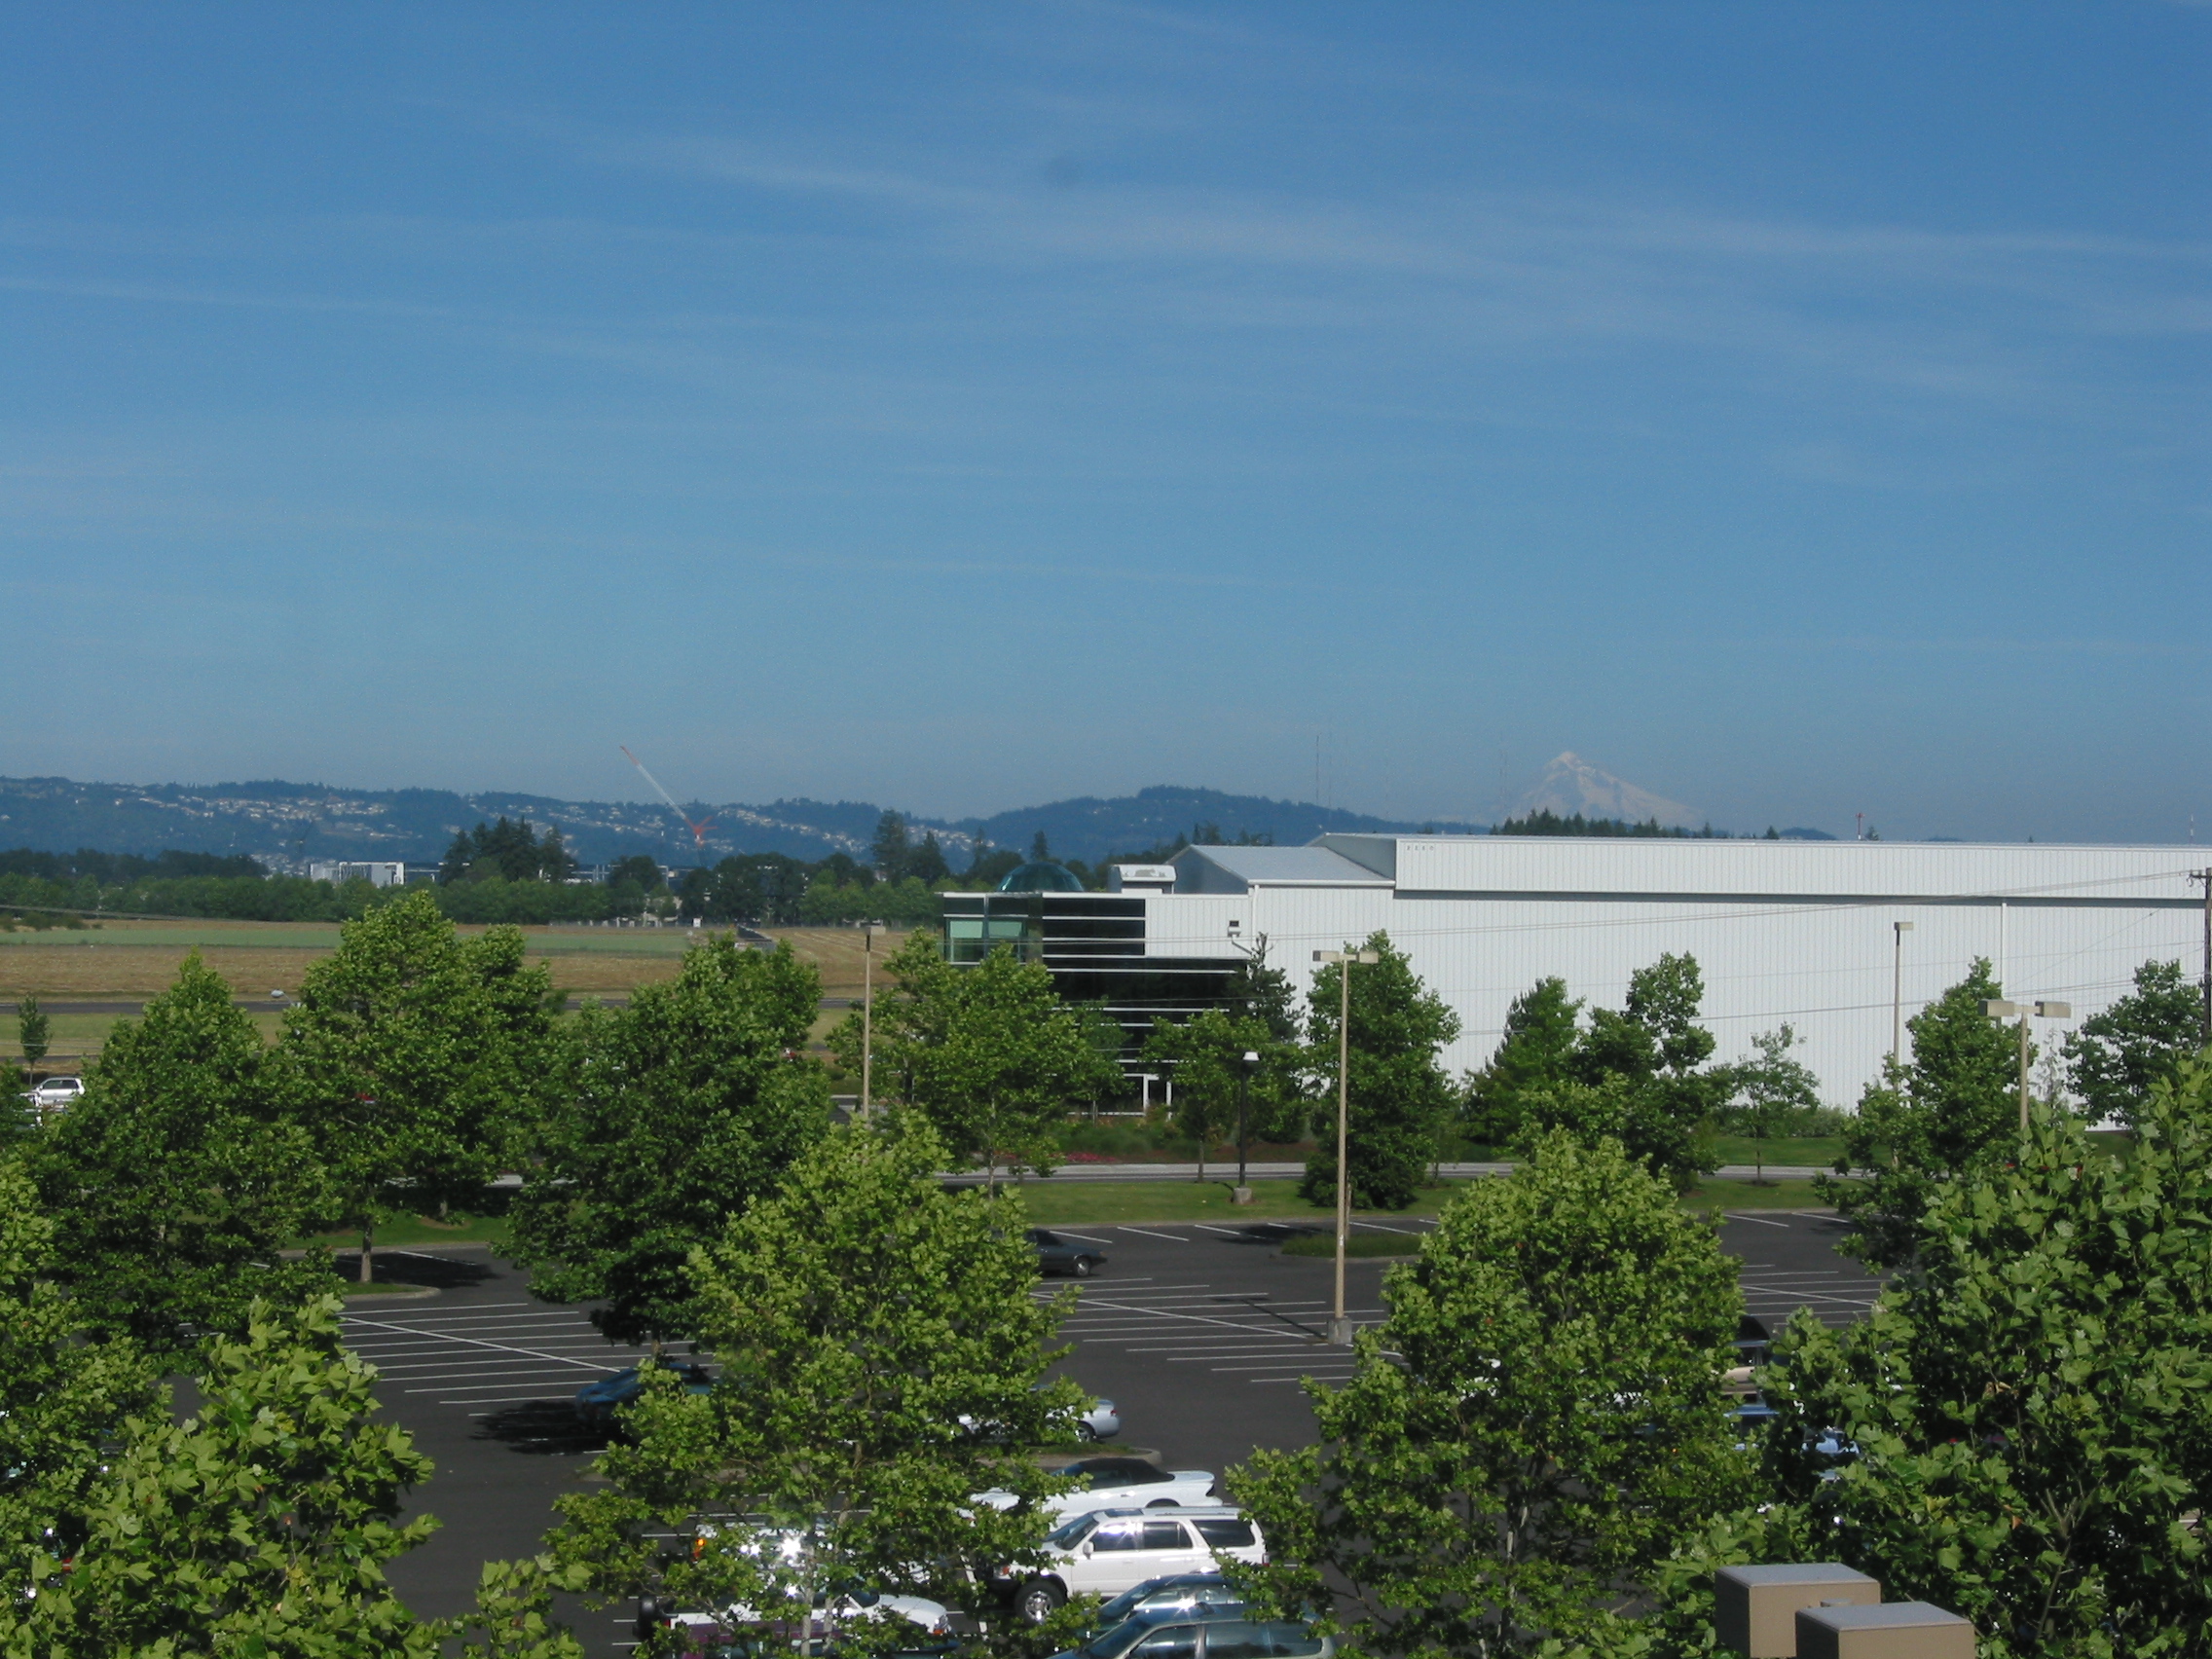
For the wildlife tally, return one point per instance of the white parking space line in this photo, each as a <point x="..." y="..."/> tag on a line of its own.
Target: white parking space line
<point x="1755" y="1220"/>
<point x="1084" y="1237"/>
<point x="1314" y="1377"/>
<point x="1409" y="1232"/>
<point x="1225" y="1231"/>
<point x="1171" y="1237"/>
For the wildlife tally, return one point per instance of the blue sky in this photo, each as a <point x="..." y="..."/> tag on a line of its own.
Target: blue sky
<point x="1796" y="410"/>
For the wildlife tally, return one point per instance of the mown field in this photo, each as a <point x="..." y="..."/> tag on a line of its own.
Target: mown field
<point x="133" y="961"/>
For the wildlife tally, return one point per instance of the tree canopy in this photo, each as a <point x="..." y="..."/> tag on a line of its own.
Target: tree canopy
<point x="180" y="1175"/>
<point x="1951" y="1111"/>
<point x="679" y="1111"/>
<point x="413" y="1054"/>
<point x="2031" y="1405"/>
<point x="1530" y="1430"/>
<point x="2115" y="1058"/>
<point x="1637" y="1073"/>
<point x="883" y="1348"/>
<point x="989" y="1055"/>
<point x="1399" y="1097"/>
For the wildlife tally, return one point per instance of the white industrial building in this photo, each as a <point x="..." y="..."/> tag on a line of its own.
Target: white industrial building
<point x="1783" y="931"/>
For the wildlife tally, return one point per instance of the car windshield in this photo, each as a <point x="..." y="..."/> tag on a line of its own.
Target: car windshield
<point x="1123" y="1635"/>
<point x="1127" y="1601"/>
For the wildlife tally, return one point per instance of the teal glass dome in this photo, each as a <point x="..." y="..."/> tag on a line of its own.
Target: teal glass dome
<point x="1041" y="879"/>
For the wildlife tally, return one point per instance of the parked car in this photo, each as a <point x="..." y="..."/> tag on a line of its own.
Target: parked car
<point x="1182" y="1595"/>
<point x="1110" y="1482"/>
<point x="1205" y="1639"/>
<point x="739" y="1632"/>
<point x="597" y="1402"/>
<point x="1099" y="1421"/>
<point x="1109" y="1551"/>
<point x="57" y="1092"/>
<point x="1071" y="1256"/>
<point x="1178" y="1592"/>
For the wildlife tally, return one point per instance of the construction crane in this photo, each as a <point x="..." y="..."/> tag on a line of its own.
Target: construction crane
<point x="698" y="829"/>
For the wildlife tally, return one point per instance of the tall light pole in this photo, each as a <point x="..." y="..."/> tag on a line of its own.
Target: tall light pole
<point x="1897" y="992"/>
<point x="1251" y="1059"/>
<point x="869" y="930"/>
<point x="1340" y="1324"/>
<point x="1997" y="1009"/>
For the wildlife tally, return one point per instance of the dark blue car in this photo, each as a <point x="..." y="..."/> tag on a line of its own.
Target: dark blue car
<point x="597" y="1402"/>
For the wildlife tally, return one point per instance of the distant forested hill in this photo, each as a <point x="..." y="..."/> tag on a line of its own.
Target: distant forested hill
<point x="1090" y="829"/>
<point x="310" y="821"/>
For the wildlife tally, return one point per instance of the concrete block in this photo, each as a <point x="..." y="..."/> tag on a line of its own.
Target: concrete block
<point x="1894" y="1630"/>
<point x="1755" y="1606"/>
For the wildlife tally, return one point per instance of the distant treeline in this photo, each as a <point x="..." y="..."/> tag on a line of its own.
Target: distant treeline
<point x="769" y="888"/>
<point x="1549" y="823"/>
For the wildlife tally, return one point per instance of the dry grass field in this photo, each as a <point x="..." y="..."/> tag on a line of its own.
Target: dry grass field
<point x="131" y="962"/>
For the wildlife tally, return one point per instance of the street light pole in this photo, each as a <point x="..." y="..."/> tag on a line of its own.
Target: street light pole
<point x="869" y="930"/>
<point x="1340" y="1324"/>
<point x="1997" y="1009"/>
<point x="1897" y="992"/>
<point x="1243" y="1191"/>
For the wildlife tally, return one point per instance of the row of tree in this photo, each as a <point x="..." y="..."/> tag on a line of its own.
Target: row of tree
<point x="1534" y="1456"/>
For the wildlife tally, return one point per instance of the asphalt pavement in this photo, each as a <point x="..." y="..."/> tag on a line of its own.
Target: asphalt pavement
<point x="1200" y="1334"/>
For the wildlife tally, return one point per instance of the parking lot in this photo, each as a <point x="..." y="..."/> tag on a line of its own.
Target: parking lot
<point x="1200" y="1334"/>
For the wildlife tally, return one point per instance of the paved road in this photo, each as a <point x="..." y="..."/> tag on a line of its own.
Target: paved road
<point x="1277" y="1172"/>
<point x="1201" y="1335"/>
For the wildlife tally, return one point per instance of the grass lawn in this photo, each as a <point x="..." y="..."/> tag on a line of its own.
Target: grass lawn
<point x="400" y="1231"/>
<point x="1076" y="1203"/>
<point x="1080" y="1203"/>
<point x="1821" y="1151"/>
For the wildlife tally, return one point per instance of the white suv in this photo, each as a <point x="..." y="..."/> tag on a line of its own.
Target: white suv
<point x="1112" y="1550"/>
<point x="55" y="1092"/>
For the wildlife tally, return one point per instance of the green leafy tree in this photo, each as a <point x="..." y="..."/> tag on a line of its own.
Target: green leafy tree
<point x="179" y="1177"/>
<point x="989" y="1053"/>
<point x="415" y="1057"/>
<point x="881" y="1343"/>
<point x="1400" y="1099"/>
<point x="1636" y="1075"/>
<point x="1954" y="1110"/>
<point x="33" y="1030"/>
<point x="1774" y="1092"/>
<point x="2031" y="1400"/>
<point x="677" y="1111"/>
<point x="1532" y="1427"/>
<point x="260" y="1526"/>
<point x="1205" y="1057"/>
<point x="62" y="1400"/>
<point x="1541" y="1030"/>
<point x="2115" y="1056"/>
<point x="890" y="850"/>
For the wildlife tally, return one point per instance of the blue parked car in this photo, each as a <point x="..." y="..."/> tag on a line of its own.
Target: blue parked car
<point x="597" y="1402"/>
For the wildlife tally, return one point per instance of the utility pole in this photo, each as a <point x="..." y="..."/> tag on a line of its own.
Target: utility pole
<point x="1897" y="992"/>
<point x="1340" y="1324"/>
<point x="2205" y="877"/>
<point x="869" y="930"/>
<point x="1998" y="1010"/>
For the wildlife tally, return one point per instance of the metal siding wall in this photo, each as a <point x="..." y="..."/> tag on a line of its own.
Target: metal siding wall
<point x="1825" y="969"/>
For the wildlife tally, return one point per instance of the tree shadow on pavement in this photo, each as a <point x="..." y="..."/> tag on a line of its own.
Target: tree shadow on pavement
<point x="395" y="1267"/>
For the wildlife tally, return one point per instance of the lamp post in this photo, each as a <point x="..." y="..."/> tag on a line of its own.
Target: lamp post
<point x="1242" y="1192"/>
<point x="1340" y="1324"/>
<point x="1897" y="992"/>
<point x="869" y="930"/>
<point x="1998" y="1009"/>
